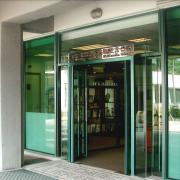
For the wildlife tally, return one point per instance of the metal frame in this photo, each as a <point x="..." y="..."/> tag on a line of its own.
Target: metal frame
<point x="127" y="99"/>
<point x="164" y="65"/>
<point x="86" y="115"/>
<point x="57" y="93"/>
<point x="97" y="61"/>
<point x="132" y="121"/>
<point x="70" y="116"/>
<point x="70" y="110"/>
<point x="23" y="101"/>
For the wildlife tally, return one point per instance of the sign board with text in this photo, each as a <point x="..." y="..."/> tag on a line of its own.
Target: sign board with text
<point x="105" y="53"/>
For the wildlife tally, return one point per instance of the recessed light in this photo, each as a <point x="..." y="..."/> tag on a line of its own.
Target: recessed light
<point x="44" y="55"/>
<point x="139" y="40"/>
<point x="49" y="72"/>
<point x="91" y="47"/>
<point x="175" y="46"/>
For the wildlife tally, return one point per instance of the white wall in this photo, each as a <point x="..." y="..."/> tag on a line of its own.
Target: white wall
<point x="0" y="109"/>
<point x="13" y="9"/>
<point x="10" y="96"/>
<point x="80" y="15"/>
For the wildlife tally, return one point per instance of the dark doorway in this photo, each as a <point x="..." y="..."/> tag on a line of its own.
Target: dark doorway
<point x="99" y="98"/>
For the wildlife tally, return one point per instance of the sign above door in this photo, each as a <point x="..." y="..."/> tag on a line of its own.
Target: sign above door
<point x="103" y="53"/>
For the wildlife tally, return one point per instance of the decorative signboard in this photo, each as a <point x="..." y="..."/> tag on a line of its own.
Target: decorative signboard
<point x="105" y="53"/>
<point x="117" y="51"/>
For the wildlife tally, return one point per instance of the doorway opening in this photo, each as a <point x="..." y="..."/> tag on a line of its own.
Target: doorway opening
<point x="99" y="115"/>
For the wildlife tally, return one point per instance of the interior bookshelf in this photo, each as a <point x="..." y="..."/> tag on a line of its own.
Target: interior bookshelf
<point x="102" y="108"/>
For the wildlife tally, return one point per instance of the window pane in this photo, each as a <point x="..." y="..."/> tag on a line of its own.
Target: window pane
<point x="148" y="113"/>
<point x="173" y="25"/>
<point x="64" y="111"/>
<point x="40" y="112"/>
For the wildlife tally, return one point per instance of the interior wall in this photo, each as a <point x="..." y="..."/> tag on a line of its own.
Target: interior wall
<point x="80" y="15"/>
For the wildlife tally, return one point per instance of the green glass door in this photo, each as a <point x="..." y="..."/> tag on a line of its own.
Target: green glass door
<point x="92" y="125"/>
<point x="40" y="111"/>
<point x="79" y="113"/>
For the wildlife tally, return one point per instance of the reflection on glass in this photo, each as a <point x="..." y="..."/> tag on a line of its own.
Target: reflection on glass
<point x="64" y="112"/>
<point x="79" y="114"/>
<point x="173" y="25"/>
<point x="148" y="109"/>
<point x="40" y="113"/>
<point x="111" y="39"/>
<point x="140" y="120"/>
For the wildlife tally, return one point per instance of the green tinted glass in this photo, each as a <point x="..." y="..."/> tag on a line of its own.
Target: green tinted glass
<point x="148" y="113"/>
<point x="40" y="102"/>
<point x="173" y="25"/>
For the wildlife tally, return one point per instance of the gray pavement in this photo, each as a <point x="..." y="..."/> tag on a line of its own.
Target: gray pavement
<point x="64" y="170"/>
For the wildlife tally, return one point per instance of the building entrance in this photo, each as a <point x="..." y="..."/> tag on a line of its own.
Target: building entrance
<point x="99" y="110"/>
<point x="90" y="126"/>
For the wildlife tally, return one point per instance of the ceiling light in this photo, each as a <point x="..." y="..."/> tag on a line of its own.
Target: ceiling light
<point x="44" y="55"/>
<point x="49" y="72"/>
<point x="139" y="40"/>
<point x="96" y="13"/>
<point x="141" y="51"/>
<point x="90" y="47"/>
<point x="175" y="46"/>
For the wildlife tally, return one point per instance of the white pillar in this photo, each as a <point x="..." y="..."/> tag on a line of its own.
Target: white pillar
<point x="10" y="96"/>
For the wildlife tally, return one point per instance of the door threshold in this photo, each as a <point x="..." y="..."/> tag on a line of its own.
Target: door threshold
<point x="41" y="155"/>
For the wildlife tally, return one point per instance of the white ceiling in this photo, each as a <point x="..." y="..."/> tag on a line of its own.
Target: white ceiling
<point x="23" y="11"/>
<point x="119" y="37"/>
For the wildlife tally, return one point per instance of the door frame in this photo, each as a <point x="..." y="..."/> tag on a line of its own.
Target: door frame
<point x="129" y="152"/>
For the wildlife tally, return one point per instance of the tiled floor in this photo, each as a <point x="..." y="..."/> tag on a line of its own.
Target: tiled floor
<point x="111" y="159"/>
<point x="22" y="175"/>
<point x="64" y="170"/>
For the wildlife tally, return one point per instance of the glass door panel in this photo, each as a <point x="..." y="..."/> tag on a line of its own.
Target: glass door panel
<point x="140" y="125"/>
<point x="156" y="155"/>
<point x="64" y="111"/>
<point x="173" y="51"/>
<point x="40" y="115"/>
<point x="148" y="115"/>
<point x="80" y="117"/>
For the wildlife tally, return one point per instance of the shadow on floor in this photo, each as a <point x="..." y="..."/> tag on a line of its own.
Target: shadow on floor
<point x="28" y="159"/>
<point x="111" y="159"/>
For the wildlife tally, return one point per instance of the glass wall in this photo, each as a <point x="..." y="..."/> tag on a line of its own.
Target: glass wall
<point x="173" y="42"/>
<point x="40" y="124"/>
<point x="148" y="112"/>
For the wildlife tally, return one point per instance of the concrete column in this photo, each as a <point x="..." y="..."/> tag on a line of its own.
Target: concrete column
<point x="10" y="96"/>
